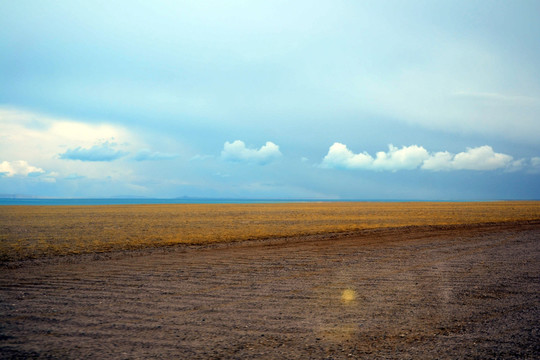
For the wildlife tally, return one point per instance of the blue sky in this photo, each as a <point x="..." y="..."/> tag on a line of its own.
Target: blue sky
<point x="270" y="99"/>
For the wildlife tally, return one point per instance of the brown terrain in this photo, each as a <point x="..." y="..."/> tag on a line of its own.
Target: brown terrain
<point x="40" y="231"/>
<point x="411" y="292"/>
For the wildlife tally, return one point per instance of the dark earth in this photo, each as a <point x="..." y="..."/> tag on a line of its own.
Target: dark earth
<point x="453" y="292"/>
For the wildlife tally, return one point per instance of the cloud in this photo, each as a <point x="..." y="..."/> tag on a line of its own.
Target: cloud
<point x="406" y="158"/>
<point x="439" y="161"/>
<point x="339" y="156"/>
<point x="481" y="158"/>
<point x="535" y="165"/>
<point x="19" y="125"/>
<point x="100" y="152"/>
<point x="45" y="139"/>
<point x="19" y="167"/>
<point x="517" y="165"/>
<point x="147" y="155"/>
<point x="520" y="100"/>
<point x="49" y="177"/>
<point x="237" y="151"/>
<point x="450" y="93"/>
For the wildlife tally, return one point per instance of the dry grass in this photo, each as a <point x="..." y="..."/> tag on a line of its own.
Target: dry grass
<point x="37" y="231"/>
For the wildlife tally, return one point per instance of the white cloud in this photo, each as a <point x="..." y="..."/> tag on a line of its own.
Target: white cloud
<point x="406" y="158"/>
<point x="19" y="167"/>
<point x="39" y="139"/>
<point x="481" y="158"/>
<point x="237" y="151"/>
<point x="339" y="156"/>
<point x="439" y="161"/>
<point x="21" y="125"/>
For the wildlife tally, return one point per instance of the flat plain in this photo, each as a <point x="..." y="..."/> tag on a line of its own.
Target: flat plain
<point x="314" y="281"/>
<point x="41" y="231"/>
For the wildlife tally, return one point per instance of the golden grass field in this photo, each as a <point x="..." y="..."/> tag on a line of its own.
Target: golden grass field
<point x="39" y="231"/>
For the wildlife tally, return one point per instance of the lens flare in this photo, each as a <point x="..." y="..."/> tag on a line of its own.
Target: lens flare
<point x="348" y="295"/>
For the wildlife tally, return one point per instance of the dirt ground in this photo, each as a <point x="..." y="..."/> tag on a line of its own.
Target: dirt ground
<point x="449" y="292"/>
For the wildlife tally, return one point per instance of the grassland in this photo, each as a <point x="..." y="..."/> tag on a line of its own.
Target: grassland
<point x="39" y="231"/>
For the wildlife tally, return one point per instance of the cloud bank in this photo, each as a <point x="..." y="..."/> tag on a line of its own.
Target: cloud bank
<point x="238" y="152"/>
<point x="406" y="158"/>
<point x="481" y="158"/>
<point x="20" y="167"/>
<point x="100" y="152"/>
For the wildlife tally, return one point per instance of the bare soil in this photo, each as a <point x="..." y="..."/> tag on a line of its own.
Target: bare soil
<point x="452" y="292"/>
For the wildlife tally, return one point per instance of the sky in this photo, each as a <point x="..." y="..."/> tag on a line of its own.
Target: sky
<point x="419" y="100"/>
